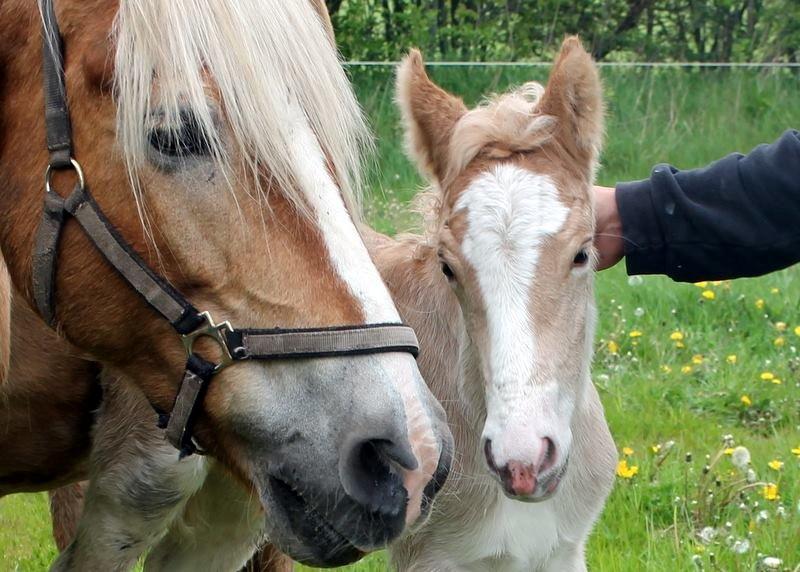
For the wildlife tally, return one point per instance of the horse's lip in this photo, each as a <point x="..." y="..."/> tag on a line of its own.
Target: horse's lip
<point x="546" y="489"/>
<point x="285" y="494"/>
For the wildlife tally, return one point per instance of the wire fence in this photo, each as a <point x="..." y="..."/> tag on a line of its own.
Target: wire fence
<point x="601" y="64"/>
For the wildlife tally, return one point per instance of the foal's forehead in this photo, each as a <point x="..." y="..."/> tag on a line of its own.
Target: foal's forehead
<point x="514" y="202"/>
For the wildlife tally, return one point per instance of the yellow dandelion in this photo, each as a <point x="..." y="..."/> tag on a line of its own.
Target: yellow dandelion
<point x="708" y="294"/>
<point x="666" y="369"/>
<point x="687" y="369"/>
<point x="775" y="465"/>
<point x="796" y="451"/>
<point x="613" y="347"/>
<point x="779" y="342"/>
<point x="626" y="471"/>
<point x="680" y="345"/>
<point x="731" y="359"/>
<point x="627" y="451"/>
<point x="774" y="290"/>
<point x="697" y="359"/>
<point x="797" y="330"/>
<point x="703" y="284"/>
<point x="716" y="282"/>
<point x="635" y="334"/>
<point x="760" y="304"/>
<point x="676" y="336"/>
<point x="770" y="491"/>
<point x="776" y="381"/>
<point x="767" y="376"/>
<point x="657" y="448"/>
<point x="780" y="326"/>
<point x="745" y="399"/>
<point x="729" y="451"/>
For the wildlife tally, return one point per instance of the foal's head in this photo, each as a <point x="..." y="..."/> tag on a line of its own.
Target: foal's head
<point x="235" y="127"/>
<point x="514" y="236"/>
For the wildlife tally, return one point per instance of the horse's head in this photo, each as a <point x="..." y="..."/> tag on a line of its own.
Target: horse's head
<point x="223" y="142"/>
<point x="514" y="232"/>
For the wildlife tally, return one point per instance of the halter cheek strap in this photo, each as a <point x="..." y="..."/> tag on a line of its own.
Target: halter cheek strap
<point x="189" y="322"/>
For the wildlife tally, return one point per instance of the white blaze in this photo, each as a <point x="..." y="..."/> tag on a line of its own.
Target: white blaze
<point x="510" y="213"/>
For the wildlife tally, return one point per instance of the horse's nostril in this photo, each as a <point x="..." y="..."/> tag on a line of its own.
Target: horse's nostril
<point x="549" y="454"/>
<point x="370" y="473"/>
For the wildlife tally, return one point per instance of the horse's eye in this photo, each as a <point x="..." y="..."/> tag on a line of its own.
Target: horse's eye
<point x="185" y="141"/>
<point x="447" y="271"/>
<point x="581" y="258"/>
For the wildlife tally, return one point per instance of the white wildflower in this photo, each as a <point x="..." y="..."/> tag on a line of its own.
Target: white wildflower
<point x="772" y="563"/>
<point x="707" y="535"/>
<point x="740" y="458"/>
<point x="741" y="546"/>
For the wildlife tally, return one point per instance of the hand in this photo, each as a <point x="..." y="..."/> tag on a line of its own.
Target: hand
<point x="608" y="239"/>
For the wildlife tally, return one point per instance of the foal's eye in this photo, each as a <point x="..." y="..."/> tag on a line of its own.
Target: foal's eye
<point x="184" y="141"/>
<point x="448" y="272"/>
<point x="581" y="258"/>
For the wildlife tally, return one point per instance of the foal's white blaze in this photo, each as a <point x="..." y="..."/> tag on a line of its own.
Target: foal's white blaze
<point x="510" y="213"/>
<point x="352" y="263"/>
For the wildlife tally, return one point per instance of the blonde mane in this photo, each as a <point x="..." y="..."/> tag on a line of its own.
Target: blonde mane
<point x="262" y="60"/>
<point x="510" y="120"/>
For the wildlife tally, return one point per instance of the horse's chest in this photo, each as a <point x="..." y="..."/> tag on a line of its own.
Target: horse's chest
<point x="512" y="537"/>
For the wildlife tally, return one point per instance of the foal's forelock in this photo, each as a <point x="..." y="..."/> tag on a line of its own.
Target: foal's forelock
<point x="251" y="57"/>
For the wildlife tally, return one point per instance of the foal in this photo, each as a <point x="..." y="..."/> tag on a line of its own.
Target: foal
<point x="500" y="292"/>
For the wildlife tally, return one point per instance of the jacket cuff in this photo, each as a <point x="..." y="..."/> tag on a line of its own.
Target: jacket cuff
<point x="644" y="240"/>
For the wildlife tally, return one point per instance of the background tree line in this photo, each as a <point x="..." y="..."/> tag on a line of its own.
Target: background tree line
<point x="616" y="30"/>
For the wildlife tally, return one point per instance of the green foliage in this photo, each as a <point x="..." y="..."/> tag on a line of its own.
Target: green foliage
<point x="620" y="30"/>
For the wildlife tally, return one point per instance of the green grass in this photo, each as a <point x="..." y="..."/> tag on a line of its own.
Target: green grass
<point x="652" y="520"/>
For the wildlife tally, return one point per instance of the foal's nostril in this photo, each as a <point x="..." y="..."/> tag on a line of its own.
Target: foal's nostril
<point x="370" y="473"/>
<point x="487" y="452"/>
<point x="549" y="455"/>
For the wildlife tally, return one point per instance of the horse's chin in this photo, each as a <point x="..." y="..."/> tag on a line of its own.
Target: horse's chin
<point x="302" y="532"/>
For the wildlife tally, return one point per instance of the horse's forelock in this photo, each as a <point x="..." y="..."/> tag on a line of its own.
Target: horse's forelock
<point x="257" y="56"/>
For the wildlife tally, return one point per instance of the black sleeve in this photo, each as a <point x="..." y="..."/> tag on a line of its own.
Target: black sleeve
<point x="739" y="216"/>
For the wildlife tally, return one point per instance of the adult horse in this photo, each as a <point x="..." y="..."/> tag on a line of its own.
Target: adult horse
<point x="221" y="144"/>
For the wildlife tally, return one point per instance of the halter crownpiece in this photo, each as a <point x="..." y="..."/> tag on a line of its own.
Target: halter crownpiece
<point x="189" y="322"/>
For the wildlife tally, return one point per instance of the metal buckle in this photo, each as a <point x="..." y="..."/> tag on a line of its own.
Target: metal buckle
<point x="75" y="167"/>
<point x="214" y="331"/>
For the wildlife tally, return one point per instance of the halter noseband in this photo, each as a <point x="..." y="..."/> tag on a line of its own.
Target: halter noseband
<point x="189" y="322"/>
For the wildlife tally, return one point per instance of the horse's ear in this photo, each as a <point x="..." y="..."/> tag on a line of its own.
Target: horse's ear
<point x="429" y="115"/>
<point x="574" y="97"/>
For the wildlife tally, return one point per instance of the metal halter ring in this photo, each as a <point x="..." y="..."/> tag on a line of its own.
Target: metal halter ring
<point x="75" y="167"/>
<point x="214" y="331"/>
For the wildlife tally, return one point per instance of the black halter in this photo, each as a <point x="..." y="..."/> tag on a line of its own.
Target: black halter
<point x="189" y="322"/>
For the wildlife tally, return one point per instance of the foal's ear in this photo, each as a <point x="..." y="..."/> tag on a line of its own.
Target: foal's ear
<point x="574" y="97"/>
<point x="429" y="116"/>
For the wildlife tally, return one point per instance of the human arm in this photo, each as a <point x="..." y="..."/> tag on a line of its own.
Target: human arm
<point x="739" y="216"/>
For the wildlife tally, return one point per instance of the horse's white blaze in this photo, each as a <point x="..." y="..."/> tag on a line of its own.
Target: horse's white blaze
<point x="510" y="213"/>
<point x="351" y="261"/>
<point x="346" y="250"/>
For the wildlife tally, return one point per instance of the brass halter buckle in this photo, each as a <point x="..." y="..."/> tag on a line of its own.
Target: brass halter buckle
<point x="216" y="332"/>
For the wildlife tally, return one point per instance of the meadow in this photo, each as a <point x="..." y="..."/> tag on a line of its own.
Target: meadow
<point x="700" y="382"/>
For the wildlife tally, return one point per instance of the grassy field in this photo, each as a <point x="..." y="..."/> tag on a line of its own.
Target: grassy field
<point x="687" y="373"/>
